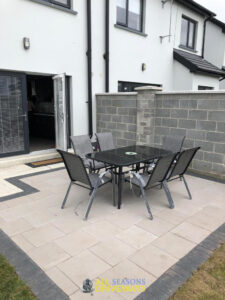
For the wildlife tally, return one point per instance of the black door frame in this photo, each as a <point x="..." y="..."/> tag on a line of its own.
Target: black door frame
<point x="22" y="76"/>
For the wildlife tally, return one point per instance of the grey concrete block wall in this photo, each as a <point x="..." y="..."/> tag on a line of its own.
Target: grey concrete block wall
<point x="117" y="113"/>
<point x="200" y="117"/>
<point x="146" y="116"/>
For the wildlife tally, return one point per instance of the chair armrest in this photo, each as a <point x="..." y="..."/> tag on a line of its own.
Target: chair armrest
<point x="139" y="179"/>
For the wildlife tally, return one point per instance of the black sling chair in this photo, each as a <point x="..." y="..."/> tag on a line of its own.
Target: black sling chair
<point x="78" y="175"/>
<point x="157" y="177"/>
<point x="179" y="169"/>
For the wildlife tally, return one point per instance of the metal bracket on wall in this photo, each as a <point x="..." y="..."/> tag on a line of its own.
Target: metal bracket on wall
<point x="164" y="36"/>
<point x="164" y="2"/>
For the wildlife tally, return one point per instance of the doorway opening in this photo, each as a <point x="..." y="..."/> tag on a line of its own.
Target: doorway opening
<point x="41" y="115"/>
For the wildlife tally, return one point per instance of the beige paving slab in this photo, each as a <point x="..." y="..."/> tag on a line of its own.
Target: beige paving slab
<point x="130" y="271"/>
<point x="174" y="245"/>
<point x="7" y="188"/>
<point x="79" y="295"/>
<point x="16" y="227"/>
<point x="69" y="223"/>
<point x="153" y="260"/>
<point x="206" y="220"/>
<point x="48" y="255"/>
<point x="191" y="232"/>
<point x="85" y="265"/>
<point x="22" y="242"/>
<point x="76" y="242"/>
<point x="39" y="218"/>
<point x="1" y="222"/>
<point x="136" y="237"/>
<point x="62" y="281"/>
<point x="157" y="226"/>
<point x="42" y="235"/>
<point x="172" y="216"/>
<point x="123" y="220"/>
<point x="102" y="230"/>
<point x="112" y="251"/>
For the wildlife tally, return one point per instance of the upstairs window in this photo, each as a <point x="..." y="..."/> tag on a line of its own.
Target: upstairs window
<point x="64" y="3"/>
<point x="188" y="33"/>
<point x="130" y="14"/>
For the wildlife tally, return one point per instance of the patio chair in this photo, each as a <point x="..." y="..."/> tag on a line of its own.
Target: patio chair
<point x="78" y="175"/>
<point x="179" y="169"/>
<point x="105" y="141"/>
<point x="171" y="143"/>
<point x="82" y="146"/>
<point x="157" y="177"/>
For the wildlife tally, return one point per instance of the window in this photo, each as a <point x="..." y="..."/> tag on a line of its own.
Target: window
<point x="203" y="88"/>
<point x="130" y="14"/>
<point x="64" y="3"/>
<point x="188" y="32"/>
<point x="125" y="86"/>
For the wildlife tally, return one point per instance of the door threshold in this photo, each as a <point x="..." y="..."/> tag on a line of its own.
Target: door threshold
<point x="27" y="158"/>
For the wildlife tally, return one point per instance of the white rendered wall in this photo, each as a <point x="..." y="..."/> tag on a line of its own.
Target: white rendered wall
<point x="183" y="78"/>
<point x="58" y="45"/>
<point x="215" y="45"/>
<point x="130" y="50"/>
<point x="205" y="81"/>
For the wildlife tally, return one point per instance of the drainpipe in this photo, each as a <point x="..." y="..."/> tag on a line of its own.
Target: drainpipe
<point x="89" y="68"/>
<point x="106" y="55"/>
<point x="204" y="32"/>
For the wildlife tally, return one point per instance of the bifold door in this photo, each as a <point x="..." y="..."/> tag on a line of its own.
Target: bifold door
<point x="60" y="111"/>
<point x="13" y="114"/>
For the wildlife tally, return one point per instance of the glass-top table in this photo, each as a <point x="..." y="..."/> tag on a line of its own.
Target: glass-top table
<point x="127" y="156"/>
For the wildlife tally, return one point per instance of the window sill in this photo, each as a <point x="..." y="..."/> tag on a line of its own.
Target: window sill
<point x="130" y="30"/>
<point x="188" y="49"/>
<point x="73" y="12"/>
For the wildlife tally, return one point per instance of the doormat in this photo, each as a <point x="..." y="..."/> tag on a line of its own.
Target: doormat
<point x="42" y="163"/>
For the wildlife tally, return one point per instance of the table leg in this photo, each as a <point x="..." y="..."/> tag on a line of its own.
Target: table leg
<point x="120" y="186"/>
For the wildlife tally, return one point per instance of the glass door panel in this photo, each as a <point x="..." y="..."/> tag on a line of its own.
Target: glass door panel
<point x="60" y="111"/>
<point x="13" y="114"/>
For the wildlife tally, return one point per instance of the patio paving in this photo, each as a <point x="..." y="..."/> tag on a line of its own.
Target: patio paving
<point x="112" y="243"/>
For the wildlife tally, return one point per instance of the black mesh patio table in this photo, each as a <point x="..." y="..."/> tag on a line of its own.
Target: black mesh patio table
<point x="127" y="156"/>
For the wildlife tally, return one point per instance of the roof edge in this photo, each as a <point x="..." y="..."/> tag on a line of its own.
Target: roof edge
<point x="218" y="23"/>
<point x="197" y="7"/>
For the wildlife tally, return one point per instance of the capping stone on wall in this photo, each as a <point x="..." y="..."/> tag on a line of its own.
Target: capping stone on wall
<point x="146" y="116"/>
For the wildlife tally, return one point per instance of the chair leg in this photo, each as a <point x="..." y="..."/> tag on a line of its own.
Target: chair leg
<point x="168" y="195"/>
<point x="187" y="188"/>
<point x="146" y="203"/>
<point x="90" y="203"/>
<point x="113" y="191"/>
<point x="67" y="193"/>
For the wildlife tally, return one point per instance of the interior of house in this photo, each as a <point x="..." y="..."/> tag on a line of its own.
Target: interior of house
<point x="41" y="116"/>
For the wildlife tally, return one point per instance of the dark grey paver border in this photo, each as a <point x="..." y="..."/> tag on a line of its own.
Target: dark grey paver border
<point x="26" y="188"/>
<point x="167" y="284"/>
<point x="40" y="284"/>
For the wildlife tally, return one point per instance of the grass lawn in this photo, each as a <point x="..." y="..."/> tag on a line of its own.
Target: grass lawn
<point x="208" y="282"/>
<point x="11" y="286"/>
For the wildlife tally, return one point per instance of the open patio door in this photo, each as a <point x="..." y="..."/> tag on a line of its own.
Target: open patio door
<point x="60" y="111"/>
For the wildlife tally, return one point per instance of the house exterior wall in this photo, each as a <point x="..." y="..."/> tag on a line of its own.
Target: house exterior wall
<point x="215" y="37"/>
<point x="59" y="44"/>
<point x="200" y="116"/>
<point x="204" y="80"/>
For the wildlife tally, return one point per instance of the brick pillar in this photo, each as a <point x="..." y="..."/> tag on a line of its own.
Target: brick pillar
<point x="146" y="114"/>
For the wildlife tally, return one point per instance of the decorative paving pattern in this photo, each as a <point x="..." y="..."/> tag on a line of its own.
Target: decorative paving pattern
<point x="41" y="285"/>
<point x="26" y="188"/>
<point x="112" y="243"/>
<point x="164" y="287"/>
